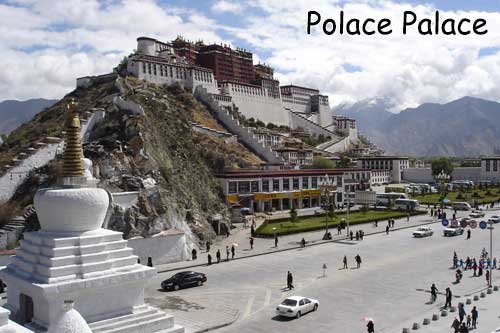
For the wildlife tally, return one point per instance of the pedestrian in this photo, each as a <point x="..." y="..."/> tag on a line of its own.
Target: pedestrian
<point x="232" y="251"/>
<point x="227" y="232"/>
<point x="408" y="217"/>
<point x="376" y="223"/>
<point x="494" y="263"/>
<point x="468" y="233"/>
<point x="339" y="230"/>
<point x="387" y="230"/>
<point x="303" y="242"/>
<point x="227" y="253"/>
<point x="345" y="262"/>
<point x="370" y="327"/>
<point x="393" y="222"/>
<point x="461" y="312"/>
<point x="289" y="280"/>
<point x="217" y="255"/>
<point x="474" y="315"/>
<point x="434" y="291"/>
<point x="208" y="246"/>
<point x="275" y="240"/>
<point x="252" y="231"/>
<point x="150" y="262"/>
<point x="448" y="298"/>
<point x="209" y="259"/>
<point x="474" y="267"/>
<point x="455" y="325"/>
<point x="469" y="320"/>
<point x="193" y="254"/>
<point x="351" y="234"/>
<point x="432" y="212"/>
<point x="463" y="329"/>
<point x="361" y="234"/>
<point x="357" y="235"/>
<point x="487" y="275"/>
<point x="251" y="243"/>
<point x="358" y="260"/>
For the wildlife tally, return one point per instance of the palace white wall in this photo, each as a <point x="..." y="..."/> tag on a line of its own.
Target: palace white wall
<point x="163" y="249"/>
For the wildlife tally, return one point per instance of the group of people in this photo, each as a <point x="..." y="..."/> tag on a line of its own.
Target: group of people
<point x="357" y="259"/>
<point x="464" y="322"/>
<point x="477" y="266"/>
<point x="229" y="251"/>
<point x="439" y="213"/>
<point x="359" y="235"/>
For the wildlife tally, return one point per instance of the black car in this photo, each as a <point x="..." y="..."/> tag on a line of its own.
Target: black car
<point x="184" y="279"/>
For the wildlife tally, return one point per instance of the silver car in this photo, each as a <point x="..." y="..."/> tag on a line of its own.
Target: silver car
<point x="296" y="306"/>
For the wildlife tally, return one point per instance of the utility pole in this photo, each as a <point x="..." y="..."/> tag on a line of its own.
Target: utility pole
<point x="491" y="253"/>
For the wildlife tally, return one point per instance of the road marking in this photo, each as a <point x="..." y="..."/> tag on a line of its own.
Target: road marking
<point x="248" y="308"/>
<point x="267" y="300"/>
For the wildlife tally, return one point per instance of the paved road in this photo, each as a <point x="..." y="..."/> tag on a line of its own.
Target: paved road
<point x="389" y="287"/>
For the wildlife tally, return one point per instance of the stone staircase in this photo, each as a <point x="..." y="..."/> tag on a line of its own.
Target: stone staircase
<point x="144" y="319"/>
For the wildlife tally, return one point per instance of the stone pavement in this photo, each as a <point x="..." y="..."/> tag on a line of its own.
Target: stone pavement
<point x="241" y="236"/>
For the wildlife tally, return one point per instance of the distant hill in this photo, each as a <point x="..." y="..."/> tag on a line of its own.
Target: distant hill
<point x="14" y="113"/>
<point x="369" y="113"/>
<point x="465" y="127"/>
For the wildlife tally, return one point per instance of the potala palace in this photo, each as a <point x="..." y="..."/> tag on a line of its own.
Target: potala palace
<point x="231" y="79"/>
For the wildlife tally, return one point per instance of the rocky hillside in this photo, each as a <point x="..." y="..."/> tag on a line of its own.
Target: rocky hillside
<point x="155" y="153"/>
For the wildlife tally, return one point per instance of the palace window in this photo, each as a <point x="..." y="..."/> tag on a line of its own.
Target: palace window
<point x="144" y="67"/>
<point x="314" y="182"/>
<point x="244" y="187"/>
<point x="296" y="184"/>
<point x="305" y="182"/>
<point x="495" y="165"/>
<point x="255" y="186"/>
<point x="233" y="187"/>
<point x="276" y="185"/>
<point x="487" y="165"/>
<point x="265" y="185"/>
<point x="286" y="184"/>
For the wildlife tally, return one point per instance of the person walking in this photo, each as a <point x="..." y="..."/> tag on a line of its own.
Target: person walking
<point x="194" y="254"/>
<point x="358" y="260"/>
<point x="303" y="242"/>
<point x="468" y="233"/>
<point x="370" y="327"/>
<point x="227" y="253"/>
<point x="275" y="240"/>
<point x="361" y="234"/>
<point x="217" y="255"/>
<point x="469" y="321"/>
<point x="434" y="291"/>
<point x="463" y="329"/>
<point x="344" y="261"/>
<point x="339" y="230"/>
<point x="357" y="235"/>
<point x="474" y="266"/>
<point x="289" y="280"/>
<point x="474" y="316"/>
<point x="448" y="298"/>
<point x="487" y="275"/>
<point x="387" y="230"/>
<point x="251" y="243"/>
<point x="461" y="312"/>
<point x="351" y="234"/>
<point x="252" y="231"/>
<point x="209" y="257"/>
<point x="408" y="217"/>
<point x="455" y="325"/>
<point x="208" y="246"/>
<point x="232" y="251"/>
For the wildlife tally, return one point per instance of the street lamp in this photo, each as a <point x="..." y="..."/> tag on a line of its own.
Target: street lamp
<point x="326" y="186"/>
<point x="490" y="228"/>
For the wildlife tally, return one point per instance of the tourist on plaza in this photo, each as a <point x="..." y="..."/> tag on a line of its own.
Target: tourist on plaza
<point x="232" y="251"/>
<point x="370" y="327"/>
<point x="468" y="233"/>
<point x="361" y="234"/>
<point x="345" y="262"/>
<point x="209" y="257"/>
<point x="469" y="321"/>
<point x="217" y="255"/>
<point x="351" y="234"/>
<point x="150" y="262"/>
<point x="275" y="240"/>
<point x="463" y="329"/>
<point x="448" y="298"/>
<point x="455" y="259"/>
<point x="303" y="242"/>
<point x="434" y="291"/>
<point x="494" y="263"/>
<point x="432" y="212"/>
<point x="393" y="222"/>
<point x="251" y="243"/>
<point x="357" y="235"/>
<point x="467" y="263"/>
<point x="387" y="230"/>
<point x="480" y="268"/>
<point x="358" y="260"/>
<point x="474" y="315"/>
<point x="487" y="275"/>
<point x="455" y="325"/>
<point x="227" y="253"/>
<point x="339" y="230"/>
<point x="408" y="217"/>
<point x="227" y="232"/>
<point x="208" y="246"/>
<point x="474" y="266"/>
<point x="289" y="280"/>
<point x="461" y="312"/>
<point x="252" y="231"/>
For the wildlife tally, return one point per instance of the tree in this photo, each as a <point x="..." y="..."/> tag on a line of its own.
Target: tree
<point x="441" y="164"/>
<point x="320" y="162"/>
<point x="344" y="162"/>
<point x="293" y="214"/>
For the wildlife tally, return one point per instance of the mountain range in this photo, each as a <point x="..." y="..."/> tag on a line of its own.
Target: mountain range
<point x="14" y="113"/>
<point x="464" y="127"/>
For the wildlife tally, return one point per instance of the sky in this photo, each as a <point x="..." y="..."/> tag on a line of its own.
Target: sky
<point x="46" y="45"/>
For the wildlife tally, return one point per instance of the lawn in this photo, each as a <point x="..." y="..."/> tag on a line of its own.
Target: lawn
<point x="482" y="198"/>
<point x="285" y="227"/>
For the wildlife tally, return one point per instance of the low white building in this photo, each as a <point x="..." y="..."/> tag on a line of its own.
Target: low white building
<point x="394" y="164"/>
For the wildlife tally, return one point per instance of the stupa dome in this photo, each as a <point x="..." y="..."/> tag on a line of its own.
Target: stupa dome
<point x="70" y="321"/>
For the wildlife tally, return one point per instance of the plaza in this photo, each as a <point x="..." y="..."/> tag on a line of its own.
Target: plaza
<point x="392" y="285"/>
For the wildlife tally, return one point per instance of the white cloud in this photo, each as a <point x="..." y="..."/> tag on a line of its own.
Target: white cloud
<point x="227" y="6"/>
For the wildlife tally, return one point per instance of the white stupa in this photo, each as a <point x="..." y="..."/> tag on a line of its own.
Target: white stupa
<point x="73" y="258"/>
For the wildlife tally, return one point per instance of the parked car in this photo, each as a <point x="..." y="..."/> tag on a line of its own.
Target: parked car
<point x="453" y="231"/>
<point x="494" y="218"/>
<point x="296" y="306"/>
<point x="476" y="214"/>
<point x="423" y="232"/>
<point x="184" y="279"/>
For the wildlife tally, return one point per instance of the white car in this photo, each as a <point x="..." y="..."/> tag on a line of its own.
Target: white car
<point x="453" y="231"/>
<point x="496" y="331"/>
<point x="476" y="214"/>
<point x="296" y="306"/>
<point x="494" y="218"/>
<point x="422" y="232"/>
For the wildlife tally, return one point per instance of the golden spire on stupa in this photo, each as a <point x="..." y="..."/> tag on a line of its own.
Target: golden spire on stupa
<point x="73" y="152"/>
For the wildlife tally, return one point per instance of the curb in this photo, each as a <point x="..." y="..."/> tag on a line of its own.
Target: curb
<point x="216" y="327"/>
<point x="321" y="242"/>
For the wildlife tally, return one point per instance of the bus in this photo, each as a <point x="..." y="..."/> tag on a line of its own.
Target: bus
<point x="406" y="204"/>
<point x="461" y="206"/>
<point x="384" y="198"/>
